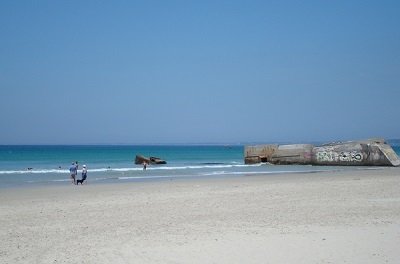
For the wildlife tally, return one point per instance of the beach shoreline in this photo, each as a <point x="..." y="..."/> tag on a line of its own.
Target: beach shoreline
<point x="322" y="217"/>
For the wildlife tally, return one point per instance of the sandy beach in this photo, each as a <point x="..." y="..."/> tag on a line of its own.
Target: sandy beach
<point x="331" y="217"/>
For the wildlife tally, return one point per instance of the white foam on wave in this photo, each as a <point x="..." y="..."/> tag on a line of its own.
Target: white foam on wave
<point x="143" y="177"/>
<point x="62" y="180"/>
<point x="154" y="168"/>
<point x="40" y="171"/>
<point x="217" y="166"/>
<point x="159" y="176"/>
<point x="215" y="173"/>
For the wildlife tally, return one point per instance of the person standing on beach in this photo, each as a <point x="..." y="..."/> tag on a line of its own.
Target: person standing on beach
<point x="73" y="171"/>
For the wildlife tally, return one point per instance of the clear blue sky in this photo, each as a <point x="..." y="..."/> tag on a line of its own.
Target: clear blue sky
<point x="86" y="72"/>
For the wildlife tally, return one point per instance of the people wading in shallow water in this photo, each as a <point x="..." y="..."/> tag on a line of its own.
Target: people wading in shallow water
<point x="84" y="175"/>
<point x="73" y="171"/>
<point x="144" y="165"/>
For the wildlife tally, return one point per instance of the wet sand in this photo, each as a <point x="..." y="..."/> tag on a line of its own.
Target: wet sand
<point x="332" y="217"/>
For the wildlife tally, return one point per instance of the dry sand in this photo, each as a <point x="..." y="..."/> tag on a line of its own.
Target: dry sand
<point x="336" y="217"/>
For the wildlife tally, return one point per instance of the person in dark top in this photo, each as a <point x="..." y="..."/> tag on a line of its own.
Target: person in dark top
<point x="84" y="175"/>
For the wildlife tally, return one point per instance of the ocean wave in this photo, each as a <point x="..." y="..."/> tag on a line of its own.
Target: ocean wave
<point x="39" y="171"/>
<point x="151" y="168"/>
<point x="221" y="173"/>
<point x="143" y="177"/>
<point x="215" y="173"/>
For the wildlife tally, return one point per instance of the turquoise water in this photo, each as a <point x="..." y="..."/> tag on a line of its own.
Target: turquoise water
<point x="116" y="163"/>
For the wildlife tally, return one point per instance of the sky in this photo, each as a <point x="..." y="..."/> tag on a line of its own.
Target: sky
<point x="176" y="72"/>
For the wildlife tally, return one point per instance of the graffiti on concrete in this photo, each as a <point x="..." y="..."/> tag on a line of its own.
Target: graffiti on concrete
<point x="350" y="156"/>
<point x="329" y="155"/>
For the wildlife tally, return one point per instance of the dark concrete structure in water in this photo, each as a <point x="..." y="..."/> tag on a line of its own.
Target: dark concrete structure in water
<point x="139" y="159"/>
<point x="371" y="152"/>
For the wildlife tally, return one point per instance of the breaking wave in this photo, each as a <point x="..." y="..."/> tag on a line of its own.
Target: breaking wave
<point x="150" y="168"/>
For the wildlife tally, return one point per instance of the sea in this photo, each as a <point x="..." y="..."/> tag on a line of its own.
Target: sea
<point x="34" y="165"/>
